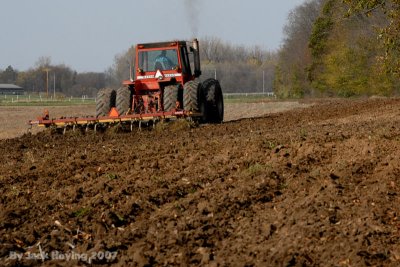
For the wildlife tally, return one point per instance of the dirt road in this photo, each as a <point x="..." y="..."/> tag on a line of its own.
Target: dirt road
<point x="308" y="187"/>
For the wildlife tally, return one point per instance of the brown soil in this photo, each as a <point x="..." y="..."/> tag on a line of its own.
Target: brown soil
<point x="309" y="187"/>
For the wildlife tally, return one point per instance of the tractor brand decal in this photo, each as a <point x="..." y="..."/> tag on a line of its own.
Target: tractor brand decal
<point x="170" y="75"/>
<point x="145" y="77"/>
<point x="159" y="75"/>
<point x="173" y="75"/>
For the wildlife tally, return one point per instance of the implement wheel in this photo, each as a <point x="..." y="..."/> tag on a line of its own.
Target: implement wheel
<point x="212" y="101"/>
<point x="124" y="100"/>
<point x="170" y="97"/>
<point x="106" y="99"/>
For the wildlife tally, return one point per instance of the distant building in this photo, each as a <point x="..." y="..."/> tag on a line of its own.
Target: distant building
<point x="11" y="89"/>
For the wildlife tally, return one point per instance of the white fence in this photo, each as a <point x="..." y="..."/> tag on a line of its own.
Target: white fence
<point x="44" y="99"/>
<point x="267" y="94"/>
<point x="243" y="82"/>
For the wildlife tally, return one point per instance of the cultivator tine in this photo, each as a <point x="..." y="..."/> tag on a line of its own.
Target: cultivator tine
<point x="140" y="125"/>
<point x="131" y="126"/>
<point x="64" y="130"/>
<point x="87" y="128"/>
<point x="73" y="127"/>
<point x="95" y="128"/>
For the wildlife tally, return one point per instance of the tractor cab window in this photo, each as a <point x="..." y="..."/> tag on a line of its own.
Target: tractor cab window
<point x="158" y="60"/>
<point x="185" y="61"/>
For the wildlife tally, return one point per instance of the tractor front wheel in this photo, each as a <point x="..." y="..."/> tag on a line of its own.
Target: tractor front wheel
<point x="123" y="101"/>
<point x="170" y="97"/>
<point x="191" y="91"/>
<point x="106" y="99"/>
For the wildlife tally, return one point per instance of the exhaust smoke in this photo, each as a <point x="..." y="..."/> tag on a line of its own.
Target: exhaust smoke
<point x="192" y="13"/>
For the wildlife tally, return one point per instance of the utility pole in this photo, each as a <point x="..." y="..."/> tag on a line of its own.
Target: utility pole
<point x="54" y="87"/>
<point x="47" y="81"/>
<point x="263" y="81"/>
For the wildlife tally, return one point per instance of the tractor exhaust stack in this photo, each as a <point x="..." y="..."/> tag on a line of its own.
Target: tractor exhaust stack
<point x="196" y="61"/>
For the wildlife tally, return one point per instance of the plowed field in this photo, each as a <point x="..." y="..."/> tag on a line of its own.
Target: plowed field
<point x="317" y="186"/>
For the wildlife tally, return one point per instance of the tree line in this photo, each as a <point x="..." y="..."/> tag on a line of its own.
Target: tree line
<point x="59" y="78"/>
<point x="239" y="69"/>
<point x="340" y="48"/>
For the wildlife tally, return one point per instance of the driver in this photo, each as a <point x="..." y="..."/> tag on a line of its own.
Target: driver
<point x="163" y="62"/>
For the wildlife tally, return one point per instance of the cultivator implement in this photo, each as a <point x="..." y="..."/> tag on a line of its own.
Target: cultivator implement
<point x="130" y="122"/>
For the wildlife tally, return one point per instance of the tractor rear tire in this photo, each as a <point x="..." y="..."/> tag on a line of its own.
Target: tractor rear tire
<point x="106" y="99"/>
<point x="191" y="91"/>
<point x="170" y="97"/>
<point x="123" y="101"/>
<point x="213" y="101"/>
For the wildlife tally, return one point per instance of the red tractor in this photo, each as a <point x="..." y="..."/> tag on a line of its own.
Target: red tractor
<point x="165" y="83"/>
<point x="165" y="87"/>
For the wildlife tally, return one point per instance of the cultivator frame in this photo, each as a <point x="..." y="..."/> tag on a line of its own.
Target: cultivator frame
<point x="113" y="119"/>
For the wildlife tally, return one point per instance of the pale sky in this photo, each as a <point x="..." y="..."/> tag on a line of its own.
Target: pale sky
<point x="87" y="34"/>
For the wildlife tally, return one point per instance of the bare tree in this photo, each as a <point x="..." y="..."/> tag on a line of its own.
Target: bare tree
<point x="122" y="69"/>
<point x="42" y="62"/>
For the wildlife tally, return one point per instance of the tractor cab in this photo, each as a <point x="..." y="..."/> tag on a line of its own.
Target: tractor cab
<point x="160" y="64"/>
